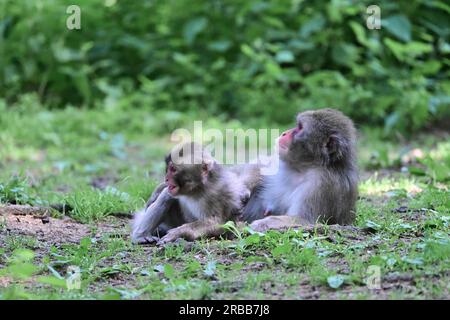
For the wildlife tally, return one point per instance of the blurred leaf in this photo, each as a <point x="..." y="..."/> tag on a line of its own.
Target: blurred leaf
<point x="416" y="171"/>
<point x="345" y="54"/>
<point x="399" y="26"/>
<point x="54" y="272"/>
<point x="391" y="121"/>
<point x="284" y="56"/>
<point x="22" y="255"/>
<point x="299" y="45"/>
<point x="360" y="33"/>
<point x="438" y="101"/>
<point x="210" y="268"/>
<point x="22" y="270"/>
<point x="404" y="52"/>
<point x="282" y="249"/>
<point x="53" y="281"/>
<point x="372" y="225"/>
<point x="438" y="170"/>
<point x="127" y="294"/>
<point x="194" y="266"/>
<point x="252" y="239"/>
<point x="220" y="45"/>
<point x="413" y="261"/>
<point x="169" y="271"/>
<point x="429" y="67"/>
<point x="439" y="4"/>
<point x="193" y="28"/>
<point x="316" y="23"/>
<point x="335" y="281"/>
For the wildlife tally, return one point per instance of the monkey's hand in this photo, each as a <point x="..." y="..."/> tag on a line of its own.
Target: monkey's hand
<point x="275" y="223"/>
<point x="158" y="190"/>
<point x="245" y="196"/>
<point x="172" y="235"/>
<point x="146" y="221"/>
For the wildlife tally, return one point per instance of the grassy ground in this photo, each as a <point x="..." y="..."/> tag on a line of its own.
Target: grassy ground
<point x="104" y="164"/>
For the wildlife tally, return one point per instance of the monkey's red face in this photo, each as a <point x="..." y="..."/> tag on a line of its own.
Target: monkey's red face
<point x="285" y="140"/>
<point x="171" y="184"/>
<point x="185" y="179"/>
<point x="322" y="137"/>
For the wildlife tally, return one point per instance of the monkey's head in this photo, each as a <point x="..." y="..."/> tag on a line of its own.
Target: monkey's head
<point x="188" y="169"/>
<point x="324" y="137"/>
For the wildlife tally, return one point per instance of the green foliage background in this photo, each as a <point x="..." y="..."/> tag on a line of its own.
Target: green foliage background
<point x="245" y="59"/>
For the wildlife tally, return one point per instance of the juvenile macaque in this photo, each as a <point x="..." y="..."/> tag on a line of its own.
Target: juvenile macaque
<point x="317" y="177"/>
<point x="198" y="196"/>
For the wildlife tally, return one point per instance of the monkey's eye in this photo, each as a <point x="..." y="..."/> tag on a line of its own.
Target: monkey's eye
<point x="300" y="126"/>
<point x="172" y="168"/>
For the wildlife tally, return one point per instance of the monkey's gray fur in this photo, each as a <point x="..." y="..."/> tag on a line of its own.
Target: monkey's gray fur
<point x="317" y="177"/>
<point x="202" y="205"/>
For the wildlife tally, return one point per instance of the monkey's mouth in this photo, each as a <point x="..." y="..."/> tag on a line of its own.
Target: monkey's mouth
<point x="173" y="189"/>
<point x="283" y="147"/>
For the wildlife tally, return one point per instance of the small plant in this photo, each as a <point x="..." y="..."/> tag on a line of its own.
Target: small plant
<point x="16" y="191"/>
<point x="92" y="204"/>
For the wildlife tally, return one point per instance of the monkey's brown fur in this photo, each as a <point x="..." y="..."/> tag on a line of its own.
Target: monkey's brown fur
<point x="206" y="196"/>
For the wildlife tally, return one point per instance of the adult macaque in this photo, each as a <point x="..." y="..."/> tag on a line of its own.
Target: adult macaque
<point x="317" y="177"/>
<point x="198" y="196"/>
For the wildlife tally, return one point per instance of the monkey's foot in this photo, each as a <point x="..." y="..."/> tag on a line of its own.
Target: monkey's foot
<point x="267" y="212"/>
<point x="274" y="223"/>
<point x="245" y="197"/>
<point x="146" y="240"/>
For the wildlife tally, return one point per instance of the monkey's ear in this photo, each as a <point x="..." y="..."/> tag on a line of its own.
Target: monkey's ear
<point x="207" y="166"/>
<point x="335" y="147"/>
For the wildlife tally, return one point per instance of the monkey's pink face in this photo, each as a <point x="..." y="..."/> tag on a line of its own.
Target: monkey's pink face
<point x="185" y="179"/>
<point x="285" y="140"/>
<point x="171" y="184"/>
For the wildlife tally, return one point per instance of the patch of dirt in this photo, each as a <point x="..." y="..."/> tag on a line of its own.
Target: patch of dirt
<point x="44" y="228"/>
<point x="37" y="222"/>
<point x="5" y="281"/>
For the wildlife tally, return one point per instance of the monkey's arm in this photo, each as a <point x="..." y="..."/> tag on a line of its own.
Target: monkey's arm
<point x="155" y="194"/>
<point x="278" y="223"/>
<point x="195" y="230"/>
<point x="146" y="221"/>
<point x="254" y="208"/>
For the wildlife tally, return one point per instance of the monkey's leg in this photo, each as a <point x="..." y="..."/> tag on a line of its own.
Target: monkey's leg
<point x="278" y="223"/>
<point x="146" y="221"/>
<point x="194" y="230"/>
